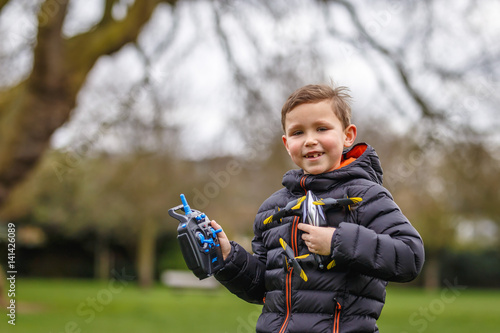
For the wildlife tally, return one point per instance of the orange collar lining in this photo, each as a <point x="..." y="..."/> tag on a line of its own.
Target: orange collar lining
<point x="352" y="155"/>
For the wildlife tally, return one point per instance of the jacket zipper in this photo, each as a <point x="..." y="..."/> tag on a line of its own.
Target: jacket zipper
<point x="336" y="318"/>
<point x="294" y="233"/>
<point x="288" y="279"/>
<point x="288" y="282"/>
<point x="303" y="183"/>
<point x="338" y="307"/>
<point x="288" y="300"/>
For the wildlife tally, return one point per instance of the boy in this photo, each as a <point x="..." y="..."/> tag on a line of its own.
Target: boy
<point x="370" y="245"/>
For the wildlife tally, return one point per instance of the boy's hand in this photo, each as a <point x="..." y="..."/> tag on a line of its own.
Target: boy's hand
<point x="223" y="240"/>
<point x="318" y="239"/>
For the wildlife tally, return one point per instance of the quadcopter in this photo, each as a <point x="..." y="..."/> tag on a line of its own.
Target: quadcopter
<point x="312" y="211"/>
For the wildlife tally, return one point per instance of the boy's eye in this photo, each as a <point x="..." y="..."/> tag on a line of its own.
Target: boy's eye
<point x="321" y="129"/>
<point x="297" y="132"/>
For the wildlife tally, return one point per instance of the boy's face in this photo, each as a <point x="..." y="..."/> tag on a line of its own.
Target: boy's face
<point x="315" y="138"/>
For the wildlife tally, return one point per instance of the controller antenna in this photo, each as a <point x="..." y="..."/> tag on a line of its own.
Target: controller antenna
<point x="187" y="209"/>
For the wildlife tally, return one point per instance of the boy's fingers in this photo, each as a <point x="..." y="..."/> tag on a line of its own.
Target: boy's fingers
<point x="317" y="239"/>
<point x="216" y="226"/>
<point x="305" y="227"/>
<point x="224" y="241"/>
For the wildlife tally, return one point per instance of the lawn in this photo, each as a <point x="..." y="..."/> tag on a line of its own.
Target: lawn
<point x="76" y="306"/>
<point x="452" y="309"/>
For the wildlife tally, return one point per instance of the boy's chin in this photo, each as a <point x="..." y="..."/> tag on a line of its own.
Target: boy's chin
<point x="316" y="171"/>
<point x="319" y="167"/>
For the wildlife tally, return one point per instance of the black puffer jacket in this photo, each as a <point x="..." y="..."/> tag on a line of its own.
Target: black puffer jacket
<point x="372" y="244"/>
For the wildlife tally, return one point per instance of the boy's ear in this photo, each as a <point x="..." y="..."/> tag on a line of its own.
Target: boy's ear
<point x="350" y="135"/>
<point x="285" y="143"/>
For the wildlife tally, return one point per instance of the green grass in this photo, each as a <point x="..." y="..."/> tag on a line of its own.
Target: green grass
<point x="56" y="306"/>
<point x="76" y="306"/>
<point x="449" y="310"/>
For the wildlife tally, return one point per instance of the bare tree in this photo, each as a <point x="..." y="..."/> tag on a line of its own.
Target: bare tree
<point x="34" y="108"/>
<point x="31" y="110"/>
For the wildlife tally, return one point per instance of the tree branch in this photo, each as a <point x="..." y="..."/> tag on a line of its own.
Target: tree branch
<point x="108" y="12"/>
<point x="239" y="76"/>
<point x="31" y="111"/>
<point x="48" y="71"/>
<point x="107" y="38"/>
<point x="427" y="110"/>
<point x="3" y="3"/>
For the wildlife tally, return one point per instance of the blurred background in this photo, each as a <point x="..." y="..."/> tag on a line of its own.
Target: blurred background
<point x="109" y="109"/>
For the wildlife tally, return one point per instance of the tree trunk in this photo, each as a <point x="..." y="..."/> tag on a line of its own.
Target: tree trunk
<point x="146" y="248"/>
<point x="431" y="272"/>
<point x="102" y="258"/>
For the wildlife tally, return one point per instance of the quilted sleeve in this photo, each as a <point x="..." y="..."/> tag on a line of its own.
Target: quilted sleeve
<point x="381" y="243"/>
<point x="243" y="275"/>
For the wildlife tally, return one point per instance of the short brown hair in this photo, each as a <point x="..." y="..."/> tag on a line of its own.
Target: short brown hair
<point x="315" y="93"/>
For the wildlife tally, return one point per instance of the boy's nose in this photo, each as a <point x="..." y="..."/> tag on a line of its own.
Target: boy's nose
<point x="310" y="140"/>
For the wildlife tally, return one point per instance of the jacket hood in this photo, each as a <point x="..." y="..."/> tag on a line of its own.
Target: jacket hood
<point x="361" y="161"/>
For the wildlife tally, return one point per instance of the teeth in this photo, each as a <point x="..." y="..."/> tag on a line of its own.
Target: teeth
<point x="314" y="155"/>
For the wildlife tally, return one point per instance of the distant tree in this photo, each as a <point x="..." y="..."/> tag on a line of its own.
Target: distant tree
<point x="32" y="109"/>
<point x="437" y="186"/>
<point x="122" y="199"/>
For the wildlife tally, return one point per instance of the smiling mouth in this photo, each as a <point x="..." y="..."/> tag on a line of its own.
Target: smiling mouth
<point x="313" y="155"/>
